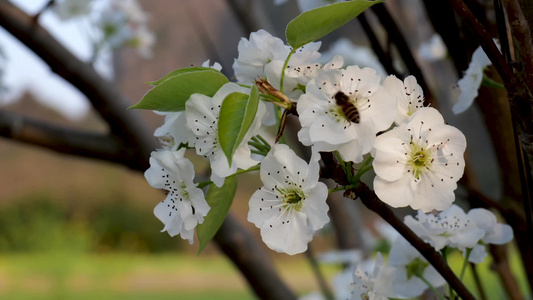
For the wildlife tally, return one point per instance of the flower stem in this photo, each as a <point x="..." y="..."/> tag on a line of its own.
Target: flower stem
<point x="465" y="263"/>
<point x="342" y="188"/>
<point x="444" y="252"/>
<point x="367" y="166"/>
<point x="432" y="288"/>
<point x="326" y="292"/>
<point x="263" y="141"/>
<point x="283" y="70"/>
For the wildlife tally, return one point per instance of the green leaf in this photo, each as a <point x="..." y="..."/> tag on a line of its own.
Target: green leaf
<point x="314" y="24"/>
<point x="219" y="199"/>
<point x="178" y="72"/>
<point x="236" y="116"/>
<point x="172" y="93"/>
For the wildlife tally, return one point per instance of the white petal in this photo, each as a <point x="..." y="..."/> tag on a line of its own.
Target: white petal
<point x="389" y="157"/>
<point x="264" y="206"/>
<point x="396" y="193"/>
<point x="289" y="234"/>
<point x="433" y="192"/>
<point x="279" y="163"/>
<point x="483" y="218"/>
<point x="315" y="206"/>
<point x="431" y="275"/>
<point x="501" y="234"/>
<point x="477" y="255"/>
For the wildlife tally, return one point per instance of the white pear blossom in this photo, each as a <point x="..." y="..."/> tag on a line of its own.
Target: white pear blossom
<point x="410" y="266"/>
<point x="174" y="130"/>
<point x="433" y="49"/>
<point x="419" y="163"/>
<point x="324" y="123"/>
<point x="409" y="94"/>
<point x="451" y="227"/>
<point x="264" y="55"/>
<point x="68" y="9"/>
<point x="378" y="285"/>
<point x="185" y="206"/>
<point x="493" y="233"/>
<point x="291" y="205"/>
<point x="202" y="118"/>
<point x="471" y="81"/>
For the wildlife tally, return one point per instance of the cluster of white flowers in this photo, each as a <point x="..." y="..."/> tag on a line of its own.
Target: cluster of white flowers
<point x="405" y="276"/>
<point x="418" y="159"/>
<point x="120" y="22"/>
<point x="456" y="229"/>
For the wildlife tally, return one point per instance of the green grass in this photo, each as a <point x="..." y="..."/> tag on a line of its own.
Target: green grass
<point x="67" y="275"/>
<point x="118" y="276"/>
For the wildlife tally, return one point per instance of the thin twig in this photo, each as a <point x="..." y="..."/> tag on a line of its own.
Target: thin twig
<point x="500" y="265"/>
<point x="326" y="291"/>
<point x="384" y="58"/>
<point x="396" y="36"/>
<point x="478" y="282"/>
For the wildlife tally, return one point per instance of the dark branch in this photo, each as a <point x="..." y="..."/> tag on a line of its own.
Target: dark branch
<point x="252" y="260"/>
<point x="396" y="36"/>
<point x="522" y="37"/>
<point x="482" y="36"/>
<point x="384" y="58"/>
<point x="104" y="96"/>
<point x="64" y="140"/>
<point x="371" y="200"/>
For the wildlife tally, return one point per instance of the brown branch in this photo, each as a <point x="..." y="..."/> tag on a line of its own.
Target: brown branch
<point x="478" y="282"/>
<point x="384" y="58"/>
<point x="520" y="100"/>
<point x="482" y="36"/>
<point x="396" y="36"/>
<point x="371" y="200"/>
<point x="522" y="37"/>
<point x="252" y="260"/>
<point x="501" y="266"/>
<point x="243" y="13"/>
<point x="104" y="96"/>
<point x="64" y="140"/>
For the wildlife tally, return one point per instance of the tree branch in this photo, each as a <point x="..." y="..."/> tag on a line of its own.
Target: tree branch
<point x="63" y="140"/>
<point x="522" y="37"/>
<point x="104" y="96"/>
<point x="252" y="260"/>
<point x="384" y="58"/>
<point x="396" y="36"/>
<point x="371" y="200"/>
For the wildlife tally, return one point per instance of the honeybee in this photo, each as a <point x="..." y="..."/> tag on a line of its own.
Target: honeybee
<point x="348" y="108"/>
